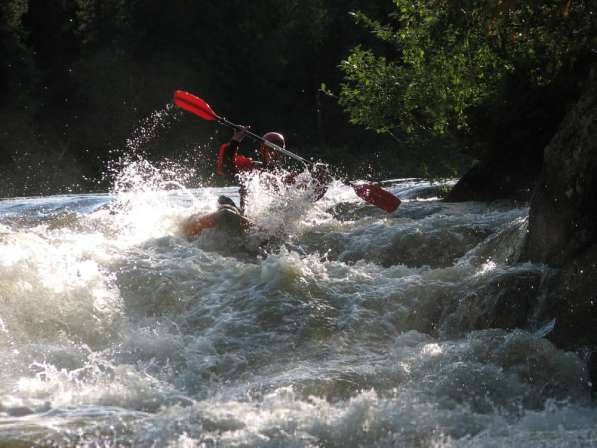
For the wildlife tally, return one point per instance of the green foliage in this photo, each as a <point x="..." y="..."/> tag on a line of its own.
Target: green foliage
<point x="540" y="39"/>
<point x="443" y="60"/>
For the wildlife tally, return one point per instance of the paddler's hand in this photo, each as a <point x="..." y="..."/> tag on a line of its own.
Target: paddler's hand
<point x="240" y="133"/>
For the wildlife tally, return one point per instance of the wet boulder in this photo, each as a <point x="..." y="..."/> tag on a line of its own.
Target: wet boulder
<point x="574" y="303"/>
<point x="563" y="211"/>
<point x="563" y="220"/>
<point x="563" y="224"/>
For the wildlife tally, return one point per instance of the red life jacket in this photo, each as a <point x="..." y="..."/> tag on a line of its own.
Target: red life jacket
<point x="240" y="162"/>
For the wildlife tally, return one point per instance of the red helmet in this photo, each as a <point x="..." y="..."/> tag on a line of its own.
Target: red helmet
<point x="270" y="155"/>
<point x="276" y="138"/>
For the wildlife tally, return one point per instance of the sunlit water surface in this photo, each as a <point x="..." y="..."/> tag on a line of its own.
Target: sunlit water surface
<point x="334" y="325"/>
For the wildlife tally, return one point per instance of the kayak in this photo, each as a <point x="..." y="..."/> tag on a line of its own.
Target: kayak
<point x="226" y="219"/>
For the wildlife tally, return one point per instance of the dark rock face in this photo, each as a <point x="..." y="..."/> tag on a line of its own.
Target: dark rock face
<point x="563" y="213"/>
<point x="563" y="226"/>
<point x="575" y="304"/>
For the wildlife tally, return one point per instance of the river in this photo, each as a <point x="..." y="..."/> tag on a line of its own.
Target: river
<point x="348" y="327"/>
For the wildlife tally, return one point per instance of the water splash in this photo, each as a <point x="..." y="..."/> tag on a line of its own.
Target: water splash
<point x="277" y="206"/>
<point x="150" y="127"/>
<point x="150" y="200"/>
<point x="114" y="330"/>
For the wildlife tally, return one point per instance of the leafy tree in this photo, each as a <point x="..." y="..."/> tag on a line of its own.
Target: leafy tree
<point x="446" y="62"/>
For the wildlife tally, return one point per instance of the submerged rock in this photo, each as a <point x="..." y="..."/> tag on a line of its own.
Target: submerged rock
<point x="507" y="302"/>
<point x="507" y="176"/>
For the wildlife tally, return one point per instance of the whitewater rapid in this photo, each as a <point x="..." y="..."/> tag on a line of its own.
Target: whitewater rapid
<point x="335" y="325"/>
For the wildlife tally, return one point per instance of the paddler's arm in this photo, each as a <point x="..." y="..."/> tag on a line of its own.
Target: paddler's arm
<point x="229" y="161"/>
<point x="225" y="162"/>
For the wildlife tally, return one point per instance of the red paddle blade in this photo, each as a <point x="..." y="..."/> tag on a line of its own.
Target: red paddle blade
<point x="377" y="196"/>
<point x="195" y="105"/>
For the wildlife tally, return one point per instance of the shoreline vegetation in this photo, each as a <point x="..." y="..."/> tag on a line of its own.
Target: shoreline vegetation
<point x="423" y="88"/>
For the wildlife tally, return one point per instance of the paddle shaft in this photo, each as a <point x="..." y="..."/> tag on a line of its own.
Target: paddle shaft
<point x="269" y="144"/>
<point x="367" y="192"/>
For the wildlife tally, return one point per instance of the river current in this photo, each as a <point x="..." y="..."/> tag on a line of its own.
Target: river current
<point x="334" y="325"/>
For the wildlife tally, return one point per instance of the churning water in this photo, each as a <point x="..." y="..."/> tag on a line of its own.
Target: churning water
<point x="334" y="325"/>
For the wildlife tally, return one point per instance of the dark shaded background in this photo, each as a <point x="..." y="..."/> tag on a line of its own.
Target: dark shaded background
<point x="79" y="78"/>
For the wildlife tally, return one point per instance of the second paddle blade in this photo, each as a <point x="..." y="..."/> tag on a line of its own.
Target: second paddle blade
<point x="377" y="196"/>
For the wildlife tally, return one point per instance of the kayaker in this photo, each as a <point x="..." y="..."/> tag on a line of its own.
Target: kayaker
<point x="230" y="164"/>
